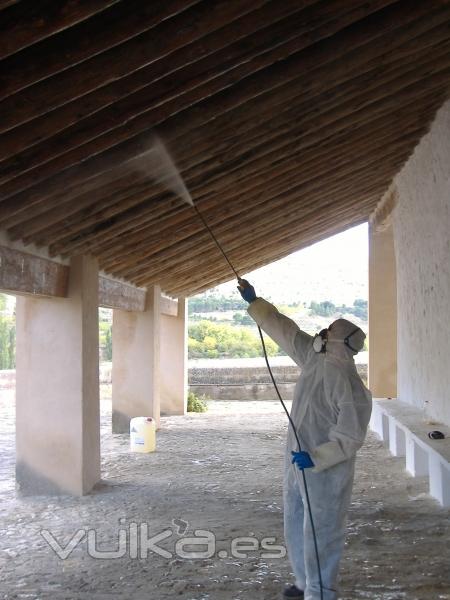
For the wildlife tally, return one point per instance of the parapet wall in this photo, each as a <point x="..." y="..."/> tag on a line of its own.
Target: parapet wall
<point x="221" y="383"/>
<point x="247" y="383"/>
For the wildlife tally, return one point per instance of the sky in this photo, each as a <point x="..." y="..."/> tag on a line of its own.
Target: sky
<point x="335" y="269"/>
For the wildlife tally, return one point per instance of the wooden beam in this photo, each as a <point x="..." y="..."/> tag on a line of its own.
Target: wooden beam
<point x="29" y="21"/>
<point x="50" y="123"/>
<point x="290" y="162"/>
<point x="21" y="202"/>
<point x="227" y="100"/>
<point x="333" y="194"/>
<point x="120" y="60"/>
<point x="23" y="273"/>
<point x="68" y="207"/>
<point x="320" y="128"/>
<point x="170" y="93"/>
<point x="119" y="295"/>
<point x="280" y="209"/>
<point x="6" y="3"/>
<point x="260" y="198"/>
<point x="96" y="35"/>
<point x="292" y="243"/>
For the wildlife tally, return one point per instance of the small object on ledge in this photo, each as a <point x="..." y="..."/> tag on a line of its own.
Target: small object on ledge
<point x="436" y="435"/>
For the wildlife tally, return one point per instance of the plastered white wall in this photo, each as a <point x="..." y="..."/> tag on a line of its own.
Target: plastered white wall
<point x="421" y="221"/>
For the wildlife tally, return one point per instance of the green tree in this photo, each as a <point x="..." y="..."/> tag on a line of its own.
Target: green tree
<point x="323" y="309"/>
<point x="108" y="344"/>
<point x="4" y="344"/>
<point x="214" y="340"/>
<point x="12" y="347"/>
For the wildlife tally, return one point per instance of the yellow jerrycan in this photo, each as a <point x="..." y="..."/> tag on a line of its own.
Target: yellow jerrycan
<point x="142" y="434"/>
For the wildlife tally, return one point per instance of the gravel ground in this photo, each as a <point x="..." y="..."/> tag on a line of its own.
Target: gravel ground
<point x="218" y="472"/>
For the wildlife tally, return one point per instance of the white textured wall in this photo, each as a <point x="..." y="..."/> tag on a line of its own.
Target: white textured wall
<point x="421" y="222"/>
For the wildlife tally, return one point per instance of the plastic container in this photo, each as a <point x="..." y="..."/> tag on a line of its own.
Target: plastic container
<point x="142" y="434"/>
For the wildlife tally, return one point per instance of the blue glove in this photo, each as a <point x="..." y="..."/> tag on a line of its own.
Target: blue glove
<point x="302" y="460"/>
<point x="246" y="290"/>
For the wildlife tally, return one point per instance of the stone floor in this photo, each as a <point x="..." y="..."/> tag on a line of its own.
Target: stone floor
<point x="220" y="473"/>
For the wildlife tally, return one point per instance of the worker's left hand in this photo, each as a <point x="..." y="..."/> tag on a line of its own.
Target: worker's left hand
<point x="302" y="459"/>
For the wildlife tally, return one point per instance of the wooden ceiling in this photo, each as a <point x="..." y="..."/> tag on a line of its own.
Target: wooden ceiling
<point x="287" y="120"/>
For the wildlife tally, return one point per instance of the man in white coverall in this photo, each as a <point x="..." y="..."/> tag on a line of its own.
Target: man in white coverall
<point x="331" y="410"/>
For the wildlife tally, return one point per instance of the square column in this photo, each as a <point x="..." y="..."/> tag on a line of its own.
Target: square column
<point x="382" y="313"/>
<point x="174" y="361"/>
<point x="135" y="365"/>
<point x="57" y="390"/>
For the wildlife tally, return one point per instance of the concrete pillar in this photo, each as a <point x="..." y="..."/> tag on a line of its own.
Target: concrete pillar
<point x="174" y="361"/>
<point x="382" y="313"/>
<point x="135" y="368"/>
<point x="57" y="389"/>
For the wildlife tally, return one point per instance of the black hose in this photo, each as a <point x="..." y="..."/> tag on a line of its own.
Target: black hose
<point x="313" y="529"/>
<point x="308" y="502"/>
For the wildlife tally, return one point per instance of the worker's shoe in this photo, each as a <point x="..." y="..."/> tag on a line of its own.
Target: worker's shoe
<point x="293" y="593"/>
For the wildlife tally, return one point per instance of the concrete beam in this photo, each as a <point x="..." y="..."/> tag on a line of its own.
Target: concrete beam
<point x="115" y="294"/>
<point x="169" y="306"/>
<point x="23" y="273"/>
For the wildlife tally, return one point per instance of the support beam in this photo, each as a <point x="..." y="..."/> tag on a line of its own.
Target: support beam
<point x="169" y="306"/>
<point x="174" y="361"/>
<point x="115" y="294"/>
<point x="24" y="273"/>
<point x="382" y="312"/>
<point x="57" y="414"/>
<point x="136" y="358"/>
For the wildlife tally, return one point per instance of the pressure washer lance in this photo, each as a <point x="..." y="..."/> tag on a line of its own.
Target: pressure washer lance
<point x="305" y="485"/>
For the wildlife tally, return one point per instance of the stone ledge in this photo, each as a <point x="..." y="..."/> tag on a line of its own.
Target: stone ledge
<point x="404" y="428"/>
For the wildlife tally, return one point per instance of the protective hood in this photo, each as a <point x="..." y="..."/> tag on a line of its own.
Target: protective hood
<point x="345" y="339"/>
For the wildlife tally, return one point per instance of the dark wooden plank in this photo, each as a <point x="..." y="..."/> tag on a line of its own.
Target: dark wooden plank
<point x="314" y="171"/>
<point x="226" y="67"/>
<point x="272" y="77"/>
<point x="122" y="59"/>
<point x="71" y="112"/>
<point x="138" y="230"/>
<point x="106" y="30"/>
<point x="6" y="3"/>
<point x="29" y="21"/>
<point x="285" y="144"/>
<point x="268" y="210"/>
<point x="252" y="86"/>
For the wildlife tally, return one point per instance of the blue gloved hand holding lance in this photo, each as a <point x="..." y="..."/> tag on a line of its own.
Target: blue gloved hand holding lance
<point x="246" y="290"/>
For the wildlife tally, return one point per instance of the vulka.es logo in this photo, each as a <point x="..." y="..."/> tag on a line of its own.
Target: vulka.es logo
<point x="136" y="542"/>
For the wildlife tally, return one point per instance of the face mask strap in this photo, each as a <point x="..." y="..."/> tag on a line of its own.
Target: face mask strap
<point x="323" y="335"/>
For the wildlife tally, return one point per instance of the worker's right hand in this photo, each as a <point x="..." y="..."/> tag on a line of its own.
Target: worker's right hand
<point x="302" y="459"/>
<point x="246" y="290"/>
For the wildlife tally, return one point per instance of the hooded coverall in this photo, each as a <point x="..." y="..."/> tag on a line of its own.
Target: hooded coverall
<point x="331" y="411"/>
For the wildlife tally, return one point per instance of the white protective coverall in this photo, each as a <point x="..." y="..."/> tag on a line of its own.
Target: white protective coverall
<point x="331" y="410"/>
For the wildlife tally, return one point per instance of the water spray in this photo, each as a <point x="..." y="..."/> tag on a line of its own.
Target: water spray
<point x="172" y="178"/>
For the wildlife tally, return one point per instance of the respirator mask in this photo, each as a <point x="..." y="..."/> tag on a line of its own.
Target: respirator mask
<point x="321" y="339"/>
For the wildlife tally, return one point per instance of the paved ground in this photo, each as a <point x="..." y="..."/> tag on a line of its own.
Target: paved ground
<point x="219" y="472"/>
